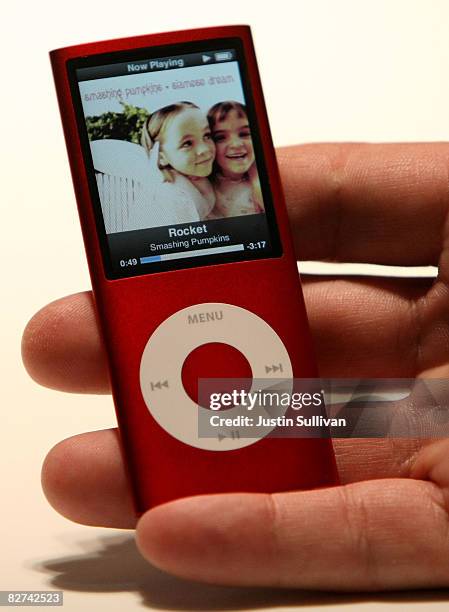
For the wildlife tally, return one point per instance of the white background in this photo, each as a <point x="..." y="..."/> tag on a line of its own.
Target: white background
<point x="352" y="70"/>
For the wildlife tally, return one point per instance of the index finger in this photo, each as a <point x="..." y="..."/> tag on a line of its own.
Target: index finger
<point x="367" y="203"/>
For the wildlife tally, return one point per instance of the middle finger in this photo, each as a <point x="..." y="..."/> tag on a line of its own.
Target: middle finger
<point x="62" y="346"/>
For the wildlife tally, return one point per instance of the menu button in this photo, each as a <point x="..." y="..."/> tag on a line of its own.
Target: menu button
<point x="205" y="317"/>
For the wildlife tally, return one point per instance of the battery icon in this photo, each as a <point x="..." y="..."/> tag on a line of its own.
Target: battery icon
<point x="223" y="56"/>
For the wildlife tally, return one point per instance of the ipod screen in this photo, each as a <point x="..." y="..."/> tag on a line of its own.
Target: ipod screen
<point x="173" y="154"/>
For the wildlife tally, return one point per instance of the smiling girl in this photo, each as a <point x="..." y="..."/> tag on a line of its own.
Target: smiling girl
<point x="179" y="143"/>
<point x="235" y="179"/>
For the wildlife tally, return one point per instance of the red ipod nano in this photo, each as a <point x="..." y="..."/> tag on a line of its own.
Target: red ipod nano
<point x="189" y="251"/>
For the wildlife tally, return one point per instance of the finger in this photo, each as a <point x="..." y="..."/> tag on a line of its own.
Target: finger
<point x="377" y="535"/>
<point x="361" y="459"/>
<point x="374" y="203"/>
<point x="84" y="478"/>
<point x="376" y="327"/>
<point x="62" y="348"/>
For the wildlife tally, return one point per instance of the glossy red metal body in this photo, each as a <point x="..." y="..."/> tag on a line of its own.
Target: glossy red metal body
<point x="160" y="467"/>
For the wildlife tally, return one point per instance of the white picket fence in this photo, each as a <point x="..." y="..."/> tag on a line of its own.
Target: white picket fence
<point x="121" y="170"/>
<point x="117" y="196"/>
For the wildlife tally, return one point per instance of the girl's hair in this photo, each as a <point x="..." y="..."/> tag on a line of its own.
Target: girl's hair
<point x="153" y="130"/>
<point x="220" y="111"/>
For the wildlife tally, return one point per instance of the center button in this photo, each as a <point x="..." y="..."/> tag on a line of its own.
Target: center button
<point x="215" y="360"/>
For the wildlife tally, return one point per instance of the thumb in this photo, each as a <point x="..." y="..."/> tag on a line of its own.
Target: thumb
<point x="373" y="535"/>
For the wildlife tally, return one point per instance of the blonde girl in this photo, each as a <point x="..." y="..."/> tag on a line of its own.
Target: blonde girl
<point x="186" y="148"/>
<point x="181" y="151"/>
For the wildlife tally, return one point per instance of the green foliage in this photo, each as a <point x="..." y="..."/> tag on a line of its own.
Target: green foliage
<point x="121" y="126"/>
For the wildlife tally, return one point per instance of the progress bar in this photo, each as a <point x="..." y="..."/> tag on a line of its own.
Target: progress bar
<point x="197" y="253"/>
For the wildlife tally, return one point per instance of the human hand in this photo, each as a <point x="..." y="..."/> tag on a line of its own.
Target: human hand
<point x="386" y="527"/>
